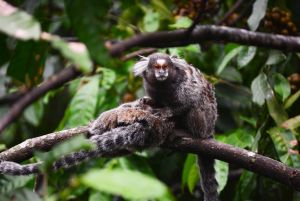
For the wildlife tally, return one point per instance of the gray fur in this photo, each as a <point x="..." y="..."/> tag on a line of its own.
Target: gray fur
<point x="191" y="98"/>
<point x="131" y="126"/>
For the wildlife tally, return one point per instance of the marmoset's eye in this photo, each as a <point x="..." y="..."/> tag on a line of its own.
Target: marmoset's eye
<point x="156" y="66"/>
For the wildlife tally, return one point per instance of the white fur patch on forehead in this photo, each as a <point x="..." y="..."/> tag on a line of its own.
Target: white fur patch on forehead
<point x="140" y="66"/>
<point x="161" y="61"/>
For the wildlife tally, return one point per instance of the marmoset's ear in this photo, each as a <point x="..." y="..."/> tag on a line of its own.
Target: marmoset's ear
<point x="179" y="63"/>
<point x="140" y="66"/>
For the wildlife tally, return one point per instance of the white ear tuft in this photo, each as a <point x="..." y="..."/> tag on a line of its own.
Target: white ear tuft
<point x="180" y="63"/>
<point x="140" y="66"/>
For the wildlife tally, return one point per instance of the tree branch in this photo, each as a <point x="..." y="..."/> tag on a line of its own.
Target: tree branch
<point x="12" y="97"/>
<point x="246" y="159"/>
<point x="24" y="150"/>
<point x="207" y="33"/>
<point x="241" y="157"/>
<point x="53" y="82"/>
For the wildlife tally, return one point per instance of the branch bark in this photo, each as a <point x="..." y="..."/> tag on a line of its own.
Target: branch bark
<point x="207" y="33"/>
<point x="240" y="157"/>
<point x="53" y="82"/>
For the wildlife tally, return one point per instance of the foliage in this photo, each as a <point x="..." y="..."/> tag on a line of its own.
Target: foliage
<point x="257" y="92"/>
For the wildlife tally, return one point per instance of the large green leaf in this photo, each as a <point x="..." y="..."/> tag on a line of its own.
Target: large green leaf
<point x="91" y="25"/>
<point x="151" y="21"/>
<point x="258" y="12"/>
<point x="129" y="184"/>
<point x="17" y="23"/>
<point x="181" y="22"/>
<point x="228" y="57"/>
<point x="11" y="183"/>
<point x="75" y="52"/>
<point x="221" y="174"/>
<point x="284" y="142"/>
<point x="239" y="138"/>
<point x="260" y="89"/>
<point x="190" y="173"/>
<point x="281" y="86"/>
<point x="246" y="55"/>
<point x="292" y="99"/>
<point x="82" y="107"/>
<point x="27" y="62"/>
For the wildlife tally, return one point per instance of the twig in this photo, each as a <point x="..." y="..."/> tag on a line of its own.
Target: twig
<point x="233" y="9"/>
<point x="53" y="82"/>
<point x="207" y="33"/>
<point x="241" y="157"/>
<point x="143" y="52"/>
<point x="198" y="17"/>
<point x="12" y="97"/>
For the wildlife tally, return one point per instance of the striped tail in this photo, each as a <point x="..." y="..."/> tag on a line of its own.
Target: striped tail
<point x="209" y="183"/>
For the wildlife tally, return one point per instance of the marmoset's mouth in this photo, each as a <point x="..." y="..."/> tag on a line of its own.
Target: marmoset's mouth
<point x="161" y="78"/>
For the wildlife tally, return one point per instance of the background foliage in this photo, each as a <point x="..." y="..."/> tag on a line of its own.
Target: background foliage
<point x="257" y="91"/>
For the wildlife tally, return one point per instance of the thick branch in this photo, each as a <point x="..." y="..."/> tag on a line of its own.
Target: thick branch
<point x="53" y="82"/>
<point x="207" y="33"/>
<point x="25" y="150"/>
<point x="243" y="158"/>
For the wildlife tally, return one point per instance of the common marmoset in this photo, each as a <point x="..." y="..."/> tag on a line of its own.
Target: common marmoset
<point x="129" y="127"/>
<point x="174" y="84"/>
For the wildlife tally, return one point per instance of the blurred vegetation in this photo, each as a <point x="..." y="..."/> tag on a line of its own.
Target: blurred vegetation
<point x="257" y="90"/>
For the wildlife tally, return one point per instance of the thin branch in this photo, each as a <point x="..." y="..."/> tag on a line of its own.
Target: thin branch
<point x="12" y="97"/>
<point x="233" y="9"/>
<point x="207" y="33"/>
<point x="143" y="52"/>
<point x="240" y="157"/>
<point x="53" y="82"/>
<point x="200" y="13"/>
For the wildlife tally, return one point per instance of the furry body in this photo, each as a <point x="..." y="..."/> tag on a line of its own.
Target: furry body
<point x="174" y="84"/>
<point x="127" y="128"/>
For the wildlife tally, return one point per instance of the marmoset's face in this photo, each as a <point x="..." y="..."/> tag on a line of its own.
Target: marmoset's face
<point x="161" y="64"/>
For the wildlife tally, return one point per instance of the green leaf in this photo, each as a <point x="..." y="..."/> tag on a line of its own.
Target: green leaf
<point x="239" y="138"/>
<point x="260" y="89"/>
<point x="128" y="184"/>
<point x="275" y="57"/>
<point x="276" y="110"/>
<point x="190" y="173"/>
<point x="17" y="23"/>
<point x="221" y="174"/>
<point x="246" y="55"/>
<point x="246" y="186"/>
<point x="285" y="142"/>
<point x="151" y="21"/>
<point x="26" y="195"/>
<point x="231" y="74"/>
<point x="28" y="61"/>
<point x="92" y="29"/>
<point x="108" y="78"/>
<point x="75" y="52"/>
<point x="291" y="100"/>
<point x="160" y="7"/>
<point x="282" y="86"/>
<point x="34" y="113"/>
<point x="82" y="107"/>
<point x="228" y="57"/>
<point x="181" y="22"/>
<point x="258" y="13"/>
<point x="292" y="123"/>
<point x="11" y="183"/>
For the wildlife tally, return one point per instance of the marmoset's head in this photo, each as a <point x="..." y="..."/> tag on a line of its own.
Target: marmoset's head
<point x="158" y="66"/>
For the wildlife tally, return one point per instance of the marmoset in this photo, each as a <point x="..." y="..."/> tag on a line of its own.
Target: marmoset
<point x="172" y="83"/>
<point x="127" y="128"/>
